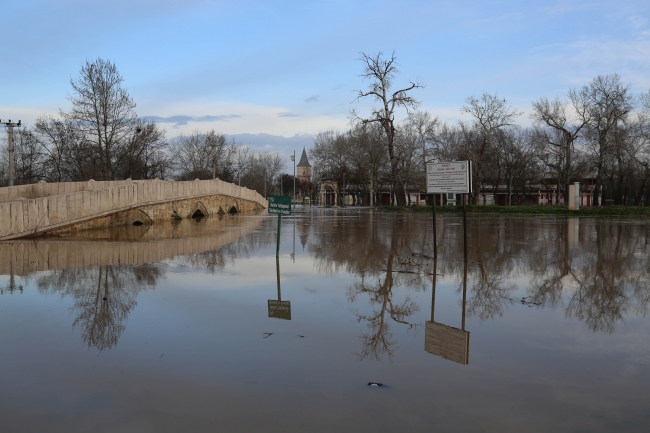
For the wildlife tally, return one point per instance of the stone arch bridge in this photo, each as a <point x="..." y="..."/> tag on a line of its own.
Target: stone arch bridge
<point x="56" y="208"/>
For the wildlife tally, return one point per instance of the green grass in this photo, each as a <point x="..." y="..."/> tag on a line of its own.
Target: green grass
<point x="530" y="209"/>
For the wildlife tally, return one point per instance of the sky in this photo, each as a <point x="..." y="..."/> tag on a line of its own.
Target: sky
<point x="275" y="73"/>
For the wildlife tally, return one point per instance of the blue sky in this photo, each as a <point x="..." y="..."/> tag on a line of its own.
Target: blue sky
<point x="288" y="68"/>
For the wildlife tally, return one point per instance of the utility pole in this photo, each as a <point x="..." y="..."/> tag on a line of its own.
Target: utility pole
<point x="9" y="126"/>
<point x="293" y="158"/>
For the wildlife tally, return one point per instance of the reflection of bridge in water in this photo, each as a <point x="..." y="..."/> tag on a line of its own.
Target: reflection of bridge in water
<point x="104" y="276"/>
<point x="30" y="210"/>
<point x="128" y="246"/>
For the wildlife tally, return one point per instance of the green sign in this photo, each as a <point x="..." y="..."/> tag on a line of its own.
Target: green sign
<point x="280" y="204"/>
<point x="280" y="309"/>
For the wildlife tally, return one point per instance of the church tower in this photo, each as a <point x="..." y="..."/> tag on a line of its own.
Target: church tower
<point x="303" y="168"/>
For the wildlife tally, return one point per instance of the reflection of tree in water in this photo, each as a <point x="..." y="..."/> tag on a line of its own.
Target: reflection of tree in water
<point x="551" y="269"/>
<point x="489" y="293"/>
<point x="101" y="321"/>
<point x="379" y="339"/>
<point x="611" y="281"/>
<point x="492" y="263"/>
<point x="381" y="255"/>
<point x="241" y="248"/>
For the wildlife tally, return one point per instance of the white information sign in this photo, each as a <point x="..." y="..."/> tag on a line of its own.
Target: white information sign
<point x="447" y="342"/>
<point x="444" y="177"/>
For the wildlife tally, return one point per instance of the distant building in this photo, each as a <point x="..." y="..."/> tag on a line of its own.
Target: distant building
<point x="304" y="168"/>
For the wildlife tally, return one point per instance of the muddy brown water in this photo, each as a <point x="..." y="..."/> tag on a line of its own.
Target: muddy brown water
<point x="185" y="326"/>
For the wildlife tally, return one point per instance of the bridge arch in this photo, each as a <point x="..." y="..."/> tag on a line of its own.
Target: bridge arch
<point x="137" y="217"/>
<point x="198" y="210"/>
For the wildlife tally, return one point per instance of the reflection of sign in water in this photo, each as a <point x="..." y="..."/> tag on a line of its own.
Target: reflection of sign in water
<point x="445" y="177"/>
<point x="280" y="309"/>
<point x="279" y="205"/>
<point x="447" y="342"/>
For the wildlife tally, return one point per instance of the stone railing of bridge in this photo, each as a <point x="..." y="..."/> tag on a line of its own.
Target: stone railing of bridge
<point x="28" y="210"/>
<point x="44" y="189"/>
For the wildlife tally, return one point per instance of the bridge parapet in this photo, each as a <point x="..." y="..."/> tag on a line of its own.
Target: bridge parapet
<point x="30" y="216"/>
<point x="44" y="189"/>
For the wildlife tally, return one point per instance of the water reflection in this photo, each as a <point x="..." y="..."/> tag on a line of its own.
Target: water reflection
<point x="611" y="281"/>
<point x="279" y="309"/>
<point x="103" y="297"/>
<point x="447" y="341"/>
<point x="105" y="278"/>
<point x="379" y="289"/>
<point x="595" y="271"/>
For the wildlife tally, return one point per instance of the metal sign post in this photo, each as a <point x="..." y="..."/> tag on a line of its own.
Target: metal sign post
<point x="449" y="177"/>
<point x="279" y="205"/>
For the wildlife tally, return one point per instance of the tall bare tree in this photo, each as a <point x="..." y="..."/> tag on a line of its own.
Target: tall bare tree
<point x="104" y="112"/>
<point x="381" y="73"/>
<point x="491" y="113"/>
<point x="608" y="104"/>
<point x="204" y="156"/>
<point x="558" y="116"/>
<point x="101" y="137"/>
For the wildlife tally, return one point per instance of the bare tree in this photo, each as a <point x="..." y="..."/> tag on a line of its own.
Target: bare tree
<point x="204" y="156"/>
<point x="262" y="170"/>
<point x="242" y="160"/>
<point x="104" y="113"/>
<point x="101" y="137"/>
<point x="381" y="72"/>
<point x="491" y="113"/>
<point x="28" y="157"/>
<point x="423" y="128"/>
<point x="608" y="104"/>
<point x="557" y="116"/>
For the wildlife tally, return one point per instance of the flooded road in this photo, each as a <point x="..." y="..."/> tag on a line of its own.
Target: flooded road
<point x="195" y="326"/>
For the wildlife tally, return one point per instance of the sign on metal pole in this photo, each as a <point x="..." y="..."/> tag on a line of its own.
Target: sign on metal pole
<point x="279" y="205"/>
<point x="445" y="177"/>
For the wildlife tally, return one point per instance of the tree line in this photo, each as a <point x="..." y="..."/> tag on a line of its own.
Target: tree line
<point x="597" y="134"/>
<point x="102" y="138"/>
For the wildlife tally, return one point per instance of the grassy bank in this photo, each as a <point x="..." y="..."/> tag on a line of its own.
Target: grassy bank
<point x="532" y="210"/>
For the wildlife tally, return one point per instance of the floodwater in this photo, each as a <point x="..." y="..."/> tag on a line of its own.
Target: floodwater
<point x="196" y="327"/>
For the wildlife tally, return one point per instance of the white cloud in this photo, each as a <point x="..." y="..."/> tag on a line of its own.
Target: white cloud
<point x="252" y="119"/>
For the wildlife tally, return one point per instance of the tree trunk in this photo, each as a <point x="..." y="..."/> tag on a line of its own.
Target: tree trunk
<point x="399" y="195"/>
